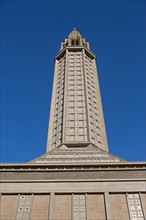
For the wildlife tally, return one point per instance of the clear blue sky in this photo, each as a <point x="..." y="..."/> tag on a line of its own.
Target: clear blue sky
<point x="31" y="32"/>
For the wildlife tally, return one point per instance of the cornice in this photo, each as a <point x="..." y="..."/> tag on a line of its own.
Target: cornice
<point x="65" y="167"/>
<point x="75" y="48"/>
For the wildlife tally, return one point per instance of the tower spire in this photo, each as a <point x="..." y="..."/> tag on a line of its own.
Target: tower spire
<point x="75" y="39"/>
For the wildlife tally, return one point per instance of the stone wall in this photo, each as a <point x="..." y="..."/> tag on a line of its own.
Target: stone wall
<point x="92" y="206"/>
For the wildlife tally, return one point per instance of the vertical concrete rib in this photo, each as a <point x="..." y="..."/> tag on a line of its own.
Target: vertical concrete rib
<point x="142" y="206"/>
<point x="107" y="206"/>
<point x="86" y="96"/>
<point x="51" y="206"/>
<point x="65" y="97"/>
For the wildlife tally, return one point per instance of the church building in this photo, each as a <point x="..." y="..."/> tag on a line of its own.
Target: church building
<point x="77" y="178"/>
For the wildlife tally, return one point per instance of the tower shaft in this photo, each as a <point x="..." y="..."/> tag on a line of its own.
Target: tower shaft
<point x="76" y="116"/>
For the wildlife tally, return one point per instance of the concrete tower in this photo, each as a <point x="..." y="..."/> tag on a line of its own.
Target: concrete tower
<point x="77" y="178"/>
<point x="76" y="116"/>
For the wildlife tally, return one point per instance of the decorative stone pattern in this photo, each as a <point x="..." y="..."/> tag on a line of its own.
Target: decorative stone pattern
<point x="135" y="208"/>
<point x="24" y="207"/>
<point x="79" y="207"/>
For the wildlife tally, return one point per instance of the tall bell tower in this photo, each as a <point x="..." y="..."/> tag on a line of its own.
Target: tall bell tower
<point x="76" y="116"/>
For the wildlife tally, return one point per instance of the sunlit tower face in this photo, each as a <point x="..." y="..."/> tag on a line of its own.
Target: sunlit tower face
<point x="76" y="116"/>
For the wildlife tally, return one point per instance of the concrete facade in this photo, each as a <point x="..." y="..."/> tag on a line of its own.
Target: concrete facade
<point x="77" y="178"/>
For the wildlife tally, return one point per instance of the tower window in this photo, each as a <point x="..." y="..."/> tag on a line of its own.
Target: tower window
<point x="75" y="42"/>
<point x="72" y="42"/>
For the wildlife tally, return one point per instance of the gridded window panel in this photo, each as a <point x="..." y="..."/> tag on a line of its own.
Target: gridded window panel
<point x="80" y="109"/>
<point x="71" y="138"/>
<point x="79" y="76"/>
<point x="80" y="104"/>
<point x="79" y="207"/>
<point x="81" y="122"/>
<point x="71" y="98"/>
<point x="135" y="207"/>
<point x="71" y="77"/>
<point x="80" y="92"/>
<point x="71" y="103"/>
<point x="71" y="87"/>
<point x="80" y="98"/>
<point x="81" y="130"/>
<point x="71" y="92"/>
<point x="92" y="100"/>
<point x="71" y="130"/>
<point x="71" y="109"/>
<point x="72" y="82"/>
<point x="81" y="138"/>
<point x="71" y="123"/>
<point x="71" y="116"/>
<point x="76" y="93"/>
<point x="24" y="207"/>
<point x="80" y="116"/>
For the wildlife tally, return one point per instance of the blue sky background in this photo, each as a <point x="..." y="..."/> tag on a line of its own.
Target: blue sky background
<point x="31" y="32"/>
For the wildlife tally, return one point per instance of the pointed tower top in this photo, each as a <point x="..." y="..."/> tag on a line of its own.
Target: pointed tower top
<point x="75" y="36"/>
<point x="74" y="30"/>
<point x="74" y="39"/>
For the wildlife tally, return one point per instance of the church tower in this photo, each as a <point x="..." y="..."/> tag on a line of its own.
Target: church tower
<point x="77" y="178"/>
<point x="76" y="116"/>
<point x="76" y="131"/>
